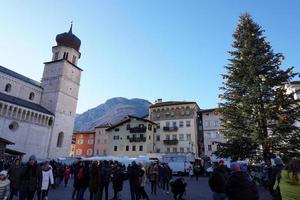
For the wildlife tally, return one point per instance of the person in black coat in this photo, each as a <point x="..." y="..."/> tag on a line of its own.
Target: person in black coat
<point x="118" y="178"/>
<point x="133" y="176"/>
<point x="105" y="173"/>
<point x="217" y="183"/>
<point x="240" y="186"/>
<point x="178" y="188"/>
<point x="30" y="179"/>
<point x="14" y="177"/>
<point x="166" y="175"/>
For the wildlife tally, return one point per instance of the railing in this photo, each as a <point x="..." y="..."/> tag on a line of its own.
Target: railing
<point x="171" y="142"/>
<point x="137" y="139"/>
<point x="173" y="128"/>
<point x="138" y="129"/>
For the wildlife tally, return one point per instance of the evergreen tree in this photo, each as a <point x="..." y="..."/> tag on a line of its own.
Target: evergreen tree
<point x="258" y="115"/>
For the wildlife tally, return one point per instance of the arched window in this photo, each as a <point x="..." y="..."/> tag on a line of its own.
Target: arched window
<point x="8" y="87"/>
<point x="31" y="96"/>
<point x="60" y="139"/>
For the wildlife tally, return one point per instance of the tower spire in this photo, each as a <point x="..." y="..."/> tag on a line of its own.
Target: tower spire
<point x="70" y="31"/>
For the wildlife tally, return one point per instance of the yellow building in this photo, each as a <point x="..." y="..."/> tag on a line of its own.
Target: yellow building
<point x="177" y="127"/>
<point x="132" y="137"/>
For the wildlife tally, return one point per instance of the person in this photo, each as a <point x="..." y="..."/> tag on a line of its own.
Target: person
<point x="178" y="188"/>
<point x="191" y="172"/>
<point x="47" y="178"/>
<point x="84" y="181"/>
<point x="118" y="178"/>
<point x="4" y="185"/>
<point x="14" y="176"/>
<point x="197" y="170"/>
<point x="105" y="173"/>
<point x="142" y="181"/>
<point x="239" y="185"/>
<point x="30" y="179"/>
<point x="133" y="175"/>
<point x="224" y="169"/>
<point x="94" y="181"/>
<point x="276" y="178"/>
<point x="153" y="177"/>
<point x="78" y="176"/>
<point x="166" y="176"/>
<point x="217" y="183"/>
<point x="67" y="175"/>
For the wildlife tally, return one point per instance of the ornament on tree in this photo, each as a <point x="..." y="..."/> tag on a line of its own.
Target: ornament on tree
<point x="234" y="96"/>
<point x="283" y="118"/>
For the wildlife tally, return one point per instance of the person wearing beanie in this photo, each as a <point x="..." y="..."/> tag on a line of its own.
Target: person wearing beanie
<point x="30" y="179"/>
<point x="4" y="185"/>
<point x="239" y="185"/>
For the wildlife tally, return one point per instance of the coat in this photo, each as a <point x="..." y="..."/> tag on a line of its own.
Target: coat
<point x="217" y="181"/>
<point x="118" y="178"/>
<point x="14" y="176"/>
<point x="240" y="187"/>
<point x="4" y="189"/>
<point x="47" y="177"/>
<point x="30" y="178"/>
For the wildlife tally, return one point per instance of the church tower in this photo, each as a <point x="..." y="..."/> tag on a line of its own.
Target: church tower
<point x="60" y="83"/>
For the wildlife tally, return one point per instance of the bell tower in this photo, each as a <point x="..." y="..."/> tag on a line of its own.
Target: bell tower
<point x="60" y="82"/>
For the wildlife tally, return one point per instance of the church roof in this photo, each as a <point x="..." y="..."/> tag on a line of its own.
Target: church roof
<point x="24" y="103"/>
<point x="19" y="76"/>
<point x="68" y="39"/>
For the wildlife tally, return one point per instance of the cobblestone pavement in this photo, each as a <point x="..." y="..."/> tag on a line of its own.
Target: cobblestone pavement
<point x="196" y="190"/>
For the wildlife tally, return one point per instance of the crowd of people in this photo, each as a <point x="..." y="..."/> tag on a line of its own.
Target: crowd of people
<point x="238" y="183"/>
<point x="32" y="179"/>
<point x="25" y="181"/>
<point x="97" y="176"/>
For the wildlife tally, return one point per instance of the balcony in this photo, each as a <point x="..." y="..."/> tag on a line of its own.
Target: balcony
<point x="137" y="139"/>
<point x="171" y="142"/>
<point x="138" y="129"/>
<point x="173" y="128"/>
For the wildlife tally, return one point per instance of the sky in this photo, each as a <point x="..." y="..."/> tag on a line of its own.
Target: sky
<point x="170" y="49"/>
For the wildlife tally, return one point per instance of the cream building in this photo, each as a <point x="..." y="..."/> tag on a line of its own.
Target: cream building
<point x="101" y="140"/>
<point x="211" y="130"/>
<point x="177" y="127"/>
<point x="132" y="137"/>
<point x="39" y="117"/>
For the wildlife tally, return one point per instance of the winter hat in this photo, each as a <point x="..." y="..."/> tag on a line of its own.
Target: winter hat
<point x="244" y="167"/>
<point x="278" y="161"/>
<point x="3" y="173"/>
<point x="235" y="167"/>
<point x="32" y="157"/>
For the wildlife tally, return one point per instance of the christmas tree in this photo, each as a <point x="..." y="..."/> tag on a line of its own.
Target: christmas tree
<point x="258" y="115"/>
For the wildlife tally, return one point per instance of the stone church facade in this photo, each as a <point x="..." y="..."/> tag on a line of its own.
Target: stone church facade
<point x="39" y="116"/>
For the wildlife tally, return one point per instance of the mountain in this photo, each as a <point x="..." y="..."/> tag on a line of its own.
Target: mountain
<point x="112" y="111"/>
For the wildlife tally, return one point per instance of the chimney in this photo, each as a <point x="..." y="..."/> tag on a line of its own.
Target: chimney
<point x="158" y="101"/>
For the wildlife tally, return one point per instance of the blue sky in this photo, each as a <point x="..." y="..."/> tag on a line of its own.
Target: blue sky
<point x="169" y="49"/>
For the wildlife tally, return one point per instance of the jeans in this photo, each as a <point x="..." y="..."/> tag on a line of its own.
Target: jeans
<point x="219" y="196"/>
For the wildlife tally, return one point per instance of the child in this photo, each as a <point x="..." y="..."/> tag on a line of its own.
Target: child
<point x="4" y="185"/>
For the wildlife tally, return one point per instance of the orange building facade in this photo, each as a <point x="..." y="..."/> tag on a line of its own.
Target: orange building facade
<point x="83" y="144"/>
